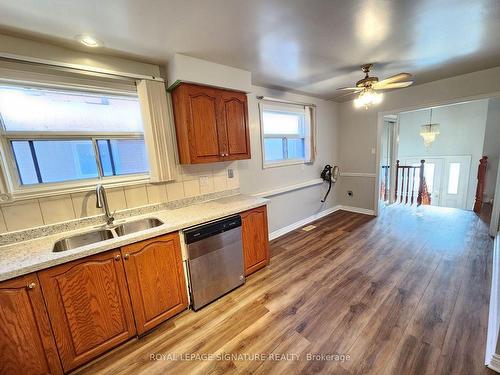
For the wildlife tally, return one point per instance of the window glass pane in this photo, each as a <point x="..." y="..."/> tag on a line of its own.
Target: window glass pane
<point x="24" y="162"/>
<point x="273" y="149"/>
<point x="453" y="177"/>
<point x="123" y="156"/>
<point x="296" y="148"/>
<point x="282" y="122"/>
<point x="65" y="160"/>
<point x="40" y="109"/>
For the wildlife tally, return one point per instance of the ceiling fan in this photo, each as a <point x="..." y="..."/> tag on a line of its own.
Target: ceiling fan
<point x="368" y="87"/>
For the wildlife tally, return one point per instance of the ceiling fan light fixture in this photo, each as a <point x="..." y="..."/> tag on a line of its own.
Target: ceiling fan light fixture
<point x="367" y="98"/>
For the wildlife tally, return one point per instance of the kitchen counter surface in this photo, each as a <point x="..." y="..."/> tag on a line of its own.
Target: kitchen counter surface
<point x="33" y="255"/>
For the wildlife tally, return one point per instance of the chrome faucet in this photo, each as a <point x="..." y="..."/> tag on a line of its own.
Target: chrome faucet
<point x="102" y="200"/>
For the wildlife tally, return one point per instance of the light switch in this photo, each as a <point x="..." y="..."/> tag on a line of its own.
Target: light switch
<point x="373" y="150"/>
<point x="204" y="181"/>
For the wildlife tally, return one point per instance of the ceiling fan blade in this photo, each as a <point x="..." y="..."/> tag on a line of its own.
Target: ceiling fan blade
<point x="395" y="78"/>
<point x="349" y="88"/>
<point x="344" y="95"/>
<point x="395" y="85"/>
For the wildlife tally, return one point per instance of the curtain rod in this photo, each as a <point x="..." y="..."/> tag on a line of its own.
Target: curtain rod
<point x="260" y="97"/>
<point x="80" y="68"/>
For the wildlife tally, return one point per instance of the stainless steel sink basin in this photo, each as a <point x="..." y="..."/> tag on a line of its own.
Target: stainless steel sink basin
<point x="83" y="239"/>
<point x="137" y="226"/>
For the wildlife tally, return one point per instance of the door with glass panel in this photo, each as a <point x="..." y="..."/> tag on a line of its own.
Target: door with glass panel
<point x="456" y="181"/>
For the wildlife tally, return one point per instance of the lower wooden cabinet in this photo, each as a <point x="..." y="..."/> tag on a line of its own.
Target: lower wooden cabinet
<point x="156" y="280"/>
<point x="26" y="342"/>
<point x="89" y="307"/>
<point x="255" y="239"/>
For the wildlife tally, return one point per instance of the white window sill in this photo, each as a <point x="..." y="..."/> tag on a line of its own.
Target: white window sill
<point x="285" y="163"/>
<point x="51" y="190"/>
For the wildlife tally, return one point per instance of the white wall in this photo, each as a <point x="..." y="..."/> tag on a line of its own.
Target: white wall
<point x="491" y="147"/>
<point x="290" y="207"/>
<point x="358" y="127"/>
<point x="462" y="129"/>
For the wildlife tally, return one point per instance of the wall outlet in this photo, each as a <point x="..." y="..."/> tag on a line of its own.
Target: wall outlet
<point x="350" y="193"/>
<point x="230" y="173"/>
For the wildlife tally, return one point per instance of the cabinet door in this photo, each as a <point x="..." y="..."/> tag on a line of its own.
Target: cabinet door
<point x="156" y="280"/>
<point x="255" y="239"/>
<point x="89" y="307"/>
<point x="235" y="118"/>
<point x="26" y="342"/>
<point x="203" y="124"/>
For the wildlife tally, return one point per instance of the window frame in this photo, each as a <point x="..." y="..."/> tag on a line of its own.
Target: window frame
<point x="19" y="191"/>
<point x="306" y="134"/>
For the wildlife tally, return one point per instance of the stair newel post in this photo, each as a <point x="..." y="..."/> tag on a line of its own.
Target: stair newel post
<point x="396" y="185"/>
<point x="481" y="177"/>
<point x="421" y="183"/>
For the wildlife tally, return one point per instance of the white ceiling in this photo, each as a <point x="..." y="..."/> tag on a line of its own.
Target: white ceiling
<point x="310" y="46"/>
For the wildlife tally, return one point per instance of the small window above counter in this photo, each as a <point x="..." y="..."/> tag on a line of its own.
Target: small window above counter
<point x="211" y="124"/>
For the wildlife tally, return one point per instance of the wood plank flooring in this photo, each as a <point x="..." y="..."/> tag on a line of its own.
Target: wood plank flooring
<point x="404" y="293"/>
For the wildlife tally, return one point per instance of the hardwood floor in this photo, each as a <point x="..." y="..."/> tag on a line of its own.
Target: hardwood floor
<point x="404" y="293"/>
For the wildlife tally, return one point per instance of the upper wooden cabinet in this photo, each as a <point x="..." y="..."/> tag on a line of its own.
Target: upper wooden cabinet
<point x="156" y="280"/>
<point x="26" y="342"/>
<point x="88" y="305"/>
<point x="211" y="124"/>
<point x="255" y="239"/>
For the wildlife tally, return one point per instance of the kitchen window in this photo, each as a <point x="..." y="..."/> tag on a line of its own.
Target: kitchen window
<point x="286" y="134"/>
<point x="55" y="138"/>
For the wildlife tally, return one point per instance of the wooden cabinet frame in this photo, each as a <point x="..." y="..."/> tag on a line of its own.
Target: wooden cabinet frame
<point x="211" y="124"/>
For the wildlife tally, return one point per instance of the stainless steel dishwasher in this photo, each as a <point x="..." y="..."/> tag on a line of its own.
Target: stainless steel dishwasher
<point x="215" y="259"/>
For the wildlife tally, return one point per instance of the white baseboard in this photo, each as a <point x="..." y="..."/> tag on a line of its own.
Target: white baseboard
<point x="492" y="359"/>
<point x="357" y="210"/>
<point x="282" y="231"/>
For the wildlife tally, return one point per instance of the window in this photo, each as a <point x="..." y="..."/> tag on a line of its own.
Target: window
<point x="453" y="178"/>
<point x="286" y="134"/>
<point x="56" y="136"/>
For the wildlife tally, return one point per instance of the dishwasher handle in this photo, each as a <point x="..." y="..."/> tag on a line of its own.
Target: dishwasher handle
<point x="211" y="229"/>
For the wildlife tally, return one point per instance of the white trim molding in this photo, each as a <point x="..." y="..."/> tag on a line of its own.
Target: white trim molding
<point x="358" y="174"/>
<point x="282" y="231"/>
<point x="492" y="358"/>
<point x="286" y="189"/>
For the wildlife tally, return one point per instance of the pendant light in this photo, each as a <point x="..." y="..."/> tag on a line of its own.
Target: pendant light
<point x="429" y="131"/>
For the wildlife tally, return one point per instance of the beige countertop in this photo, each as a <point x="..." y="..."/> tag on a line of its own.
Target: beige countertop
<point x="33" y="255"/>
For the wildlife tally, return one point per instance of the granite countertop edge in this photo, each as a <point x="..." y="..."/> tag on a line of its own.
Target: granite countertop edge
<point x="35" y="255"/>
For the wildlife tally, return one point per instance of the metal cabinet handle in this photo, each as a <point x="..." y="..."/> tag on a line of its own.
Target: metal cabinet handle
<point x="126" y="256"/>
<point x="117" y="257"/>
<point x="31" y="286"/>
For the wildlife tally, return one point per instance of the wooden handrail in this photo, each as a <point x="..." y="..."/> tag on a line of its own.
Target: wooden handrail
<point x="481" y="179"/>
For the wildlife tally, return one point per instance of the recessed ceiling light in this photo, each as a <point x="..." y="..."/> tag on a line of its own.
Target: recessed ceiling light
<point x="88" y="40"/>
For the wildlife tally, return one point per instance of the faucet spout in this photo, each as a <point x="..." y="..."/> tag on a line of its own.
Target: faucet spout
<point x="102" y="201"/>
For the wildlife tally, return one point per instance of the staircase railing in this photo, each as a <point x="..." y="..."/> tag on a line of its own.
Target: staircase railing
<point x="407" y="177"/>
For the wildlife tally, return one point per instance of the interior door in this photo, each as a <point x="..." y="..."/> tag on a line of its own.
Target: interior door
<point x="456" y="181"/>
<point x="433" y="169"/>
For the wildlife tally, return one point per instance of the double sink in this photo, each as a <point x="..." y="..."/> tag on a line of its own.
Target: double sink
<point x="104" y="234"/>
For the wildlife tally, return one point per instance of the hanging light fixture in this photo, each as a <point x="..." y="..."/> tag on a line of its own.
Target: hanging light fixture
<point x="367" y="97"/>
<point x="429" y="131"/>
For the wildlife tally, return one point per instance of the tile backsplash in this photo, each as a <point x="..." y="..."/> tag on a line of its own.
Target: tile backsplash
<point x="193" y="180"/>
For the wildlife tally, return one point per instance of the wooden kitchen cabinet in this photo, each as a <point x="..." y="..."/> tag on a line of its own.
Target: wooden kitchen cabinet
<point x="26" y="342"/>
<point x="211" y="124"/>
<point x="255" y="239"/>
<point x="156" y="280"/>
<point x="88" y="305"/>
